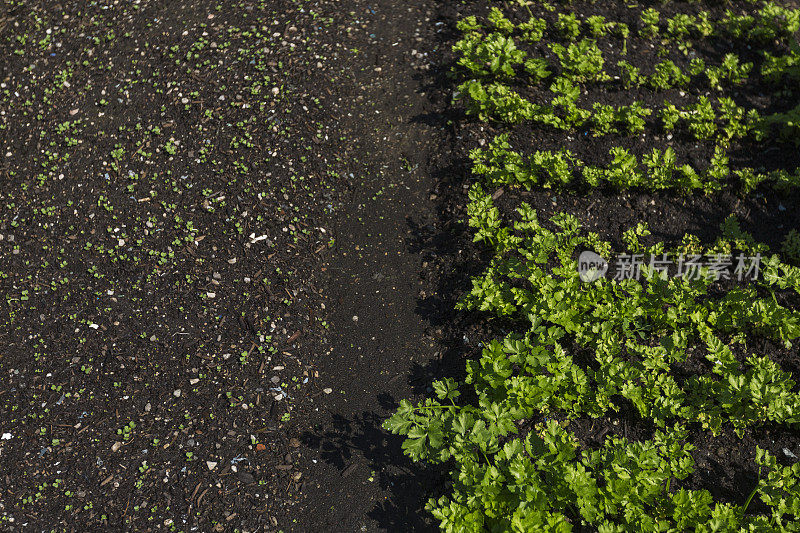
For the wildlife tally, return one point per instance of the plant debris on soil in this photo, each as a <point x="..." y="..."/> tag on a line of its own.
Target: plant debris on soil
<point x="172" y="178"/>
<point x="233" y="237"/>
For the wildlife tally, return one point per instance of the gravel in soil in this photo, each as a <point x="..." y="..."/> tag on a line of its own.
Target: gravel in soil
<point x="231" y="239"/>
<point x="171" y="178"/>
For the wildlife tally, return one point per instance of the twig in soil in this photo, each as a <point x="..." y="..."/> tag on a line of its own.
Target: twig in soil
<point x="167" y="445"/>
<point x="200" y="498"/>
<point x="194" y="493"/>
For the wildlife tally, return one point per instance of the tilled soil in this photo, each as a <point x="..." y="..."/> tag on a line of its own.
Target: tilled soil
<point x="383" y="336"/>
<point x="232" y="236"/>
<point x="198" y="200"/>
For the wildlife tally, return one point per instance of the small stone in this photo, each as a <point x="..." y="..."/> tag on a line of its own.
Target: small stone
<point x="245" y="477"/>
<point x="211" y="465"/>
<point x="327" y="390"/>
<point x="73" y="112"/>
<point x="116" y="446"/>
<point x="177" y="393"/>
<point x="275" y="91"/>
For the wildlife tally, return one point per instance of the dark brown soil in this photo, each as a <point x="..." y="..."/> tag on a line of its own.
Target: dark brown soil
<point x="237" y="181"/>
<point x="301" y="142"/>
<point x="382" y="338"/>
<point x="257" y="278"/>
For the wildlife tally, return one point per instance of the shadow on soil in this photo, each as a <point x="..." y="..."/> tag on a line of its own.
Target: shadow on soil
<point x="409" y="483"/>
<point x="353" y="441"/>
<point x="448" y="260"/>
